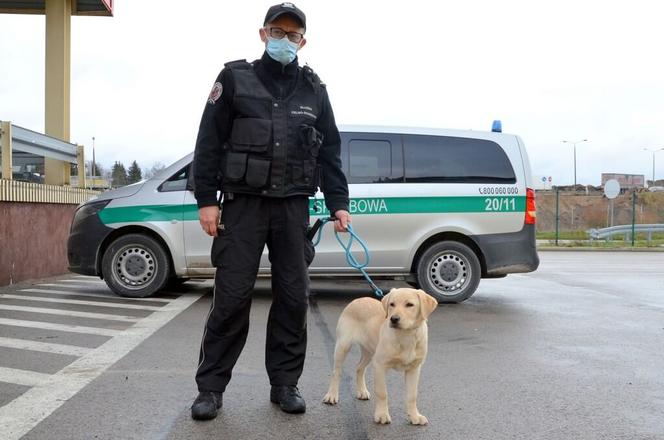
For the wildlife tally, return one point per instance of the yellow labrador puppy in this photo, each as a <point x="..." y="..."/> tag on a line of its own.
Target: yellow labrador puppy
<point x="393" y="332"/>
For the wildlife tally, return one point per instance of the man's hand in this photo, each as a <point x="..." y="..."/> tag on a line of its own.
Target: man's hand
<point x="342" y="220"/>
<point x="208" y="216"/>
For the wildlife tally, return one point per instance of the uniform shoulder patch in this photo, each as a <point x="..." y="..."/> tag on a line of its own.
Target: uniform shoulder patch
<point x="215" y="93"/>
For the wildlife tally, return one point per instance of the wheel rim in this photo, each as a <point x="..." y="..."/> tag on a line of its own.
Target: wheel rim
<point x="449" y="273"/>
<point x="134" y="266"/>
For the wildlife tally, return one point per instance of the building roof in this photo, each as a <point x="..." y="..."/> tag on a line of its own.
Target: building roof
<point x="79" y="7"/>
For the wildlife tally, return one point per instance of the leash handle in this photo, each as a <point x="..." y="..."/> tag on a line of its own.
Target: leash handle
<point x="352" y="261"/>
<point x="315" y="234"/>
<point x="316" y="230"/>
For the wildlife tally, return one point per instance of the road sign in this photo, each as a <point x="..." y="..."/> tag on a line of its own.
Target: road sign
<point x="611" y="189"/>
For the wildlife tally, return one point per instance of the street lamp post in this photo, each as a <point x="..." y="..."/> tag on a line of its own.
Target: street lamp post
<point x="574" y="143"/>
<point x="653" y="160"/>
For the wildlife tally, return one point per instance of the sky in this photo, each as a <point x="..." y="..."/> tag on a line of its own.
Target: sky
<point x="550" y="71"/>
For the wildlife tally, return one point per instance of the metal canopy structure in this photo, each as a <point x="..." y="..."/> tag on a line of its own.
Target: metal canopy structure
<point x="58" y="65"/>
<point x="78" y="7"/>
<point x="42" y="145"/>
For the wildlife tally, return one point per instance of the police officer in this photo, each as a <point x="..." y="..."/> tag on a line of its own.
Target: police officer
<point x="267" y="140"/>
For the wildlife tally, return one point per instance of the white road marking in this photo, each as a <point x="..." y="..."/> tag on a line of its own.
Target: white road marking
<point x="46" y="347"/>
<point x="60" y="327"/>
<point x="23" y="377"/>
<point x="83" y="281"/>
<point x="70" y="313"/>
<point x="25" y="412"/>
<point x="91" y="294"/>
<point x="79" y="302"/>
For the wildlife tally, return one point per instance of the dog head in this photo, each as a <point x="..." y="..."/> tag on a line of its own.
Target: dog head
<point x="408" y="308"/>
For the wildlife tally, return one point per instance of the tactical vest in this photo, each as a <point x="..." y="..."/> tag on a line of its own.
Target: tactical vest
<point x="273" y="146"/>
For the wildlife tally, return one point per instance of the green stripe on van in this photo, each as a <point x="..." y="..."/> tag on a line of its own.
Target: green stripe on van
<point x="425" y="205"/>
<point x="144" y="213"/>
<point x="358" y="206"/>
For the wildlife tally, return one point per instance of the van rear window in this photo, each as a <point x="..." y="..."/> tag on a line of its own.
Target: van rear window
<point x="430" y="159"/>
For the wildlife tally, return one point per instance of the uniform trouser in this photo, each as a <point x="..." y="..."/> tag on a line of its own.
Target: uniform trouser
<point x="250" y="222"/>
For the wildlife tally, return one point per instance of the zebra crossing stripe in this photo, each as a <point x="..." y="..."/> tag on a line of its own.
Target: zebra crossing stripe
<point x="70" y="313"/>
<point x="97" y="281"/>
<point x="60" y="327"/>
<point x="25" y="412"/>
<point x="23" y="377"/>
<point x="44" y="347"/>
<point x="79" y="302"/>
<point x="92" y="294"/>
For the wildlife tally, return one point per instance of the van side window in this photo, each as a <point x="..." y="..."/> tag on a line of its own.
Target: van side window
<point x="372" y="158"/>
<point x="177" y="182"/>
<point x="455" y="160"/>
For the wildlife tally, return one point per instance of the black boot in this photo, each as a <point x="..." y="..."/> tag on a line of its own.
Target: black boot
<point x="206" y="405"/>
<point x="289" y="399"/>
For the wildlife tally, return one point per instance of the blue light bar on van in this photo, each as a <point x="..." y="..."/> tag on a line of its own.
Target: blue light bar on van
<point x="497" y="126"/>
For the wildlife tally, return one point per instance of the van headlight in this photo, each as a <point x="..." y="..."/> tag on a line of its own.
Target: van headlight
<point x="88" y="209"/>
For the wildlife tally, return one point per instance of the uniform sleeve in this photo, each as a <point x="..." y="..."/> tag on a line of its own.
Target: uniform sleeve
<point x="334" y="184"/>
<point x="213" y="132"/>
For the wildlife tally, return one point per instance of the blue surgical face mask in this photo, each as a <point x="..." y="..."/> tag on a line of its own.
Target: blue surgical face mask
<point x="282" y="50"/>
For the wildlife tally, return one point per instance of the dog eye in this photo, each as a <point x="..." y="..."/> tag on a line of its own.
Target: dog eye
<point x="409" y="304"/>
<point x="391" y="304"/>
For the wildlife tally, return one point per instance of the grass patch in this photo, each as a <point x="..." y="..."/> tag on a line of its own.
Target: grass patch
<point x="657" y="237"/>
<point x="605" y="244"/>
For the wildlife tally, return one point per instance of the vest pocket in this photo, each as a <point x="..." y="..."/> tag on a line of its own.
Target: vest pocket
<point x="303" y="172"/>
<point x="251" y="135"/>
<point x="314" y="150"/>
<point x="236" y="165"/>
<point x="258" y="171"/>
<point x="311" y="138"/>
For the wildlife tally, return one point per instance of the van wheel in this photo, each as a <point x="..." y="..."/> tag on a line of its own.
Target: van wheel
<point x="135" y="266"/>
<point x="449" y="271"/>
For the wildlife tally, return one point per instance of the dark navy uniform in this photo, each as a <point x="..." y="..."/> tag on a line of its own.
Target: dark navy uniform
<point x="267" y="140"/>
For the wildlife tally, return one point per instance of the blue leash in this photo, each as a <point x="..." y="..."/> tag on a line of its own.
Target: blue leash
<point x="350" y="259"/>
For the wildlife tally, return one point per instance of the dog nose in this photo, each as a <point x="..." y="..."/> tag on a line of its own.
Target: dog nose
<point x="395" y="319"/>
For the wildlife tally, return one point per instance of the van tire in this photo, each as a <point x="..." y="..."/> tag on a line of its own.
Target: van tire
<point x="449" y="271"/>
<point x="135" y="266"/>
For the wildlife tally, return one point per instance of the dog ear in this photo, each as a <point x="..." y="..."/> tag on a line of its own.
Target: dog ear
<point x="386" y="301"/>
<point x="427" y="303"/>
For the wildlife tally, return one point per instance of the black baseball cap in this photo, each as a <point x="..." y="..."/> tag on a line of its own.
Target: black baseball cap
<point x="285" y="8"/>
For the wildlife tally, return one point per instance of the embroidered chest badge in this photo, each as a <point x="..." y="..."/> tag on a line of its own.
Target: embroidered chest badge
<point x="215" y="93"/>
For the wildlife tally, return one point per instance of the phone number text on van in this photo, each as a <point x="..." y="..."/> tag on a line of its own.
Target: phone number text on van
<point x="498" y="190"/>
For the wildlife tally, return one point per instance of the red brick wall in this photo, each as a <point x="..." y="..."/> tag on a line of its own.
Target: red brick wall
<point x="33" y="240"/>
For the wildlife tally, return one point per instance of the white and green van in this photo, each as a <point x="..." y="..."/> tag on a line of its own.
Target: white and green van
<point x="438" y="208"/>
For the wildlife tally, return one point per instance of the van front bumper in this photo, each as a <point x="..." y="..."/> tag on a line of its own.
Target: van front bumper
<point x="85" y="239"/>
<point x="513" y="252"/>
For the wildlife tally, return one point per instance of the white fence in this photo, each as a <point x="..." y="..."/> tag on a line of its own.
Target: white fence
<point x="18" y="191"/>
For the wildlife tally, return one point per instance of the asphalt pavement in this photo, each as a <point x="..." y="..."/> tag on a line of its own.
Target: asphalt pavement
<point x="572" y="351"/>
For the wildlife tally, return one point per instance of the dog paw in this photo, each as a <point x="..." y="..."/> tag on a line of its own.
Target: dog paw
<point x="382" y="418"/>
<point x="331" y="399"/>
<point x="417" y="419"/>
<point x="363" y="394"/>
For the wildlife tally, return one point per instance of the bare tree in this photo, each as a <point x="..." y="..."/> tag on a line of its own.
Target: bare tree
<point x="156" y="167"/>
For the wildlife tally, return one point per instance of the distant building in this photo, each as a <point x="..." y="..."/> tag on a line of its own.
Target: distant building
<point x="627" y="181"/>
